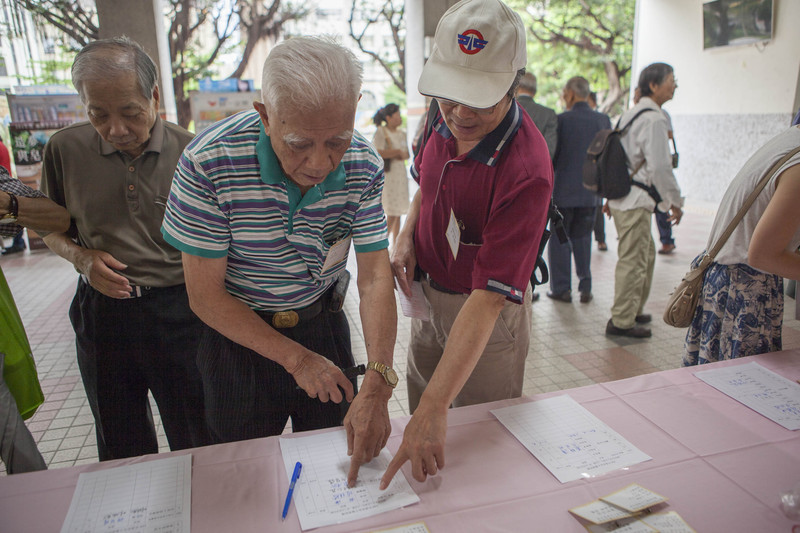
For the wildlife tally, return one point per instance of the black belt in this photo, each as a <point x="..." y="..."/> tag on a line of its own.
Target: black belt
<point x="437" y="286"/>
<point x="289" y="319"/>
<point x="137" y="291"/>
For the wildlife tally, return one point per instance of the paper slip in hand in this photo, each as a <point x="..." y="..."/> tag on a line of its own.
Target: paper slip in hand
<point x="417" y="306"/>
<point x="600" y="512"/>
<point x="321" y="495"/>
<point x="634" y="498"/>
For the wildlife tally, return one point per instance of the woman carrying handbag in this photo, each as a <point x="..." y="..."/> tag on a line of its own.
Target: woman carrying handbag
<point x="740" y="308"/>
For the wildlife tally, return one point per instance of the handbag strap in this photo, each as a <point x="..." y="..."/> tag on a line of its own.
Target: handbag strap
<point x="747" y="203"/>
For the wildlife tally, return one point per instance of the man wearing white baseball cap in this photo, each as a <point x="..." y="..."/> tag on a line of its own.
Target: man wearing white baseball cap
<point x="473" y="230"/>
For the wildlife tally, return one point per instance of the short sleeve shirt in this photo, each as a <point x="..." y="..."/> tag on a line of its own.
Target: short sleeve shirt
<point x="117" y="203"/>
<point x="498" y="193"/>
<point x="231" y="199"/>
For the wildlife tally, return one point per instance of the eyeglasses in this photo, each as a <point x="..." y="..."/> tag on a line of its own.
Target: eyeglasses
<point x="477" y="110"/>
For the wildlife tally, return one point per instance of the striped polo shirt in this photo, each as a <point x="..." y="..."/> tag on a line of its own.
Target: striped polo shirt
<point x="231" y="199"/>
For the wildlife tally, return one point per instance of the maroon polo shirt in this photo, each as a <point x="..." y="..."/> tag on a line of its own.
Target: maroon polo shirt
<point x="499" y="192"/>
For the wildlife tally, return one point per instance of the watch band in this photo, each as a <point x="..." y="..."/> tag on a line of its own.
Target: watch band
<point x="388" y="373"/>
<point x="13" y="207"/>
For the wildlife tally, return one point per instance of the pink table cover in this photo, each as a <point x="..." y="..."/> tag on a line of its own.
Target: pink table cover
<point x="721" y="465"/>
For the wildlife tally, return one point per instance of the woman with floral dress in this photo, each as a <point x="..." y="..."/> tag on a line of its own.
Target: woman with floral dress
<point x="740" y="311"/>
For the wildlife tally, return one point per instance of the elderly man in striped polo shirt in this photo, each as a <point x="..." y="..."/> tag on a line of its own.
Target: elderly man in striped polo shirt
<point x="264" y="207"/>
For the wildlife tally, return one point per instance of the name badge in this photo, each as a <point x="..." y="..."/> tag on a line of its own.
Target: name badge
<point x="338" y="253"/>
<point x="453" y="234"/>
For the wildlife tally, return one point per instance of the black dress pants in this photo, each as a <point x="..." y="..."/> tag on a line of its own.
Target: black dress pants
<point x="248" y="396"/>
<point x="127" y="347"/>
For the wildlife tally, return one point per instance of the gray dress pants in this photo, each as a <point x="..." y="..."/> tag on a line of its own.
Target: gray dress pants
<point x="17" y="447"/>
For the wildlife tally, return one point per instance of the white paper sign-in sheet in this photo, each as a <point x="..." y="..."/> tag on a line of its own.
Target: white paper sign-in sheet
<point x="760" y="389"/>
<point x="321" y="495"/>
<point x="567" y="439"/>
<point x="155" y="496"/>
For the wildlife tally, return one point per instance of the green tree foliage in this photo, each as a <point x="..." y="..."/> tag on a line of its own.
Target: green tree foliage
<point x="198" y="32"/>
<point x="589" y="38"/>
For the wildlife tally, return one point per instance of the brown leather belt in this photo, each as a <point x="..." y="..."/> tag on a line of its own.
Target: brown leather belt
<point x="289" y="319"/>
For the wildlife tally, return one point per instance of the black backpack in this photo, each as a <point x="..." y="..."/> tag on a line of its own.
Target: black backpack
<point x="605" y="169"/>
<point x="555" y="219"/>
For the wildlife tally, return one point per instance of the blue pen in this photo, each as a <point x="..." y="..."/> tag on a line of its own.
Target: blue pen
<point x="295" y="475"/>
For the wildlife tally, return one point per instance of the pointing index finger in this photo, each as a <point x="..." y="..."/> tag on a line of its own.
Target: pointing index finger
<point x="392" y="469"/>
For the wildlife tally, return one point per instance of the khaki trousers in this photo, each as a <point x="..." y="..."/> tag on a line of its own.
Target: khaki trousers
<point x="499" y="372"/>
<point x="636" y="259"/>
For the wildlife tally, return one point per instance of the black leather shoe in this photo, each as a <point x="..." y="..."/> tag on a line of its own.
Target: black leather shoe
<point x="586" y="297"/>
<point x="636" y="331"/>
<point x="644" y="318"/>
<point x="14" y="250"/>
<point x="560" y="297"/>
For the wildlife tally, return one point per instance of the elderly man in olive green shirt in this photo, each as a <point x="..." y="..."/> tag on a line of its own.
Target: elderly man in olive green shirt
<point x="134" y="329"/>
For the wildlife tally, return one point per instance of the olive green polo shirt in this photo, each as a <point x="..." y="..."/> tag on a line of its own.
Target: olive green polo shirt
<point x="117" y="203"/>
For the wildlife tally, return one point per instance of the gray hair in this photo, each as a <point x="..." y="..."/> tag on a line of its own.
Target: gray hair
<point x="528" y="83"/>
<point x="310" y="73"/>
<point x="110" y="58"/>
<point x="514" y="84"/>
<point x="580" y="86"/>
<point x="655" y="73"/>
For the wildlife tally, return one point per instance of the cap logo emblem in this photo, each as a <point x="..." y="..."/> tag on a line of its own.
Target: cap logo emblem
<point x="471" y="42"/>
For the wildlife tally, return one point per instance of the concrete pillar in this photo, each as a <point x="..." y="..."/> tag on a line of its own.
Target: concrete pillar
<point x="415" y="59"/>
<point x="142" y="21"/>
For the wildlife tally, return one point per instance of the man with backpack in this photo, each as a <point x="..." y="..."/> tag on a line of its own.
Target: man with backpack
<point x="646" y="145"/>
<point x="473" y="230"/>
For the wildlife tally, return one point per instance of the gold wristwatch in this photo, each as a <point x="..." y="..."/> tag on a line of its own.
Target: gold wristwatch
<point x="13" y="211"/>
<point x="389" y="375"/>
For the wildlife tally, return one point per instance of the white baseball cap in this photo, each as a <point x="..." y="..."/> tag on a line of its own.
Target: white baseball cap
<point x="478" y="48"/>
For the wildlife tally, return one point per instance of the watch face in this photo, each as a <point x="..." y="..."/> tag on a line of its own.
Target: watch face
<point x="391" y="377"/>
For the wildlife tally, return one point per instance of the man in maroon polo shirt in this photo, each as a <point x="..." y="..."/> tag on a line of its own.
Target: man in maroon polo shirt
<point x="473" y="229"/>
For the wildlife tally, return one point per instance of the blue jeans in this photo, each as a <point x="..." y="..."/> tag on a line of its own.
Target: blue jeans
<point x="578" y="223"/>
<point x="664" y="228"/>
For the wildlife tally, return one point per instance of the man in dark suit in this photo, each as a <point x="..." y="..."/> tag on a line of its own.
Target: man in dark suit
<point x="543" y="117"/>
<point x="576" y="128"/>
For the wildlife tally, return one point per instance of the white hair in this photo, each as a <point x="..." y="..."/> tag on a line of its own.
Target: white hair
<point x="310" y="73"/>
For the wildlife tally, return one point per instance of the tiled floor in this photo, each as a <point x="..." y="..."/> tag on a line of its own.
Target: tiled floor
<point x="568" y="348"/>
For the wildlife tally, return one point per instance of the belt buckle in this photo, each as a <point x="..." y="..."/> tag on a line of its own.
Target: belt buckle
<point x="285" y="319"/>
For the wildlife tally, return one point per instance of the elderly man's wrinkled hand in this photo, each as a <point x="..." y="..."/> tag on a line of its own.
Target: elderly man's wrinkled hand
<point x="404" y="261"/>
<point x="423" y="445"/>
<point x="100" y="268"/>
<point x="321" y="379"/>
<point x="368" y="428"/>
